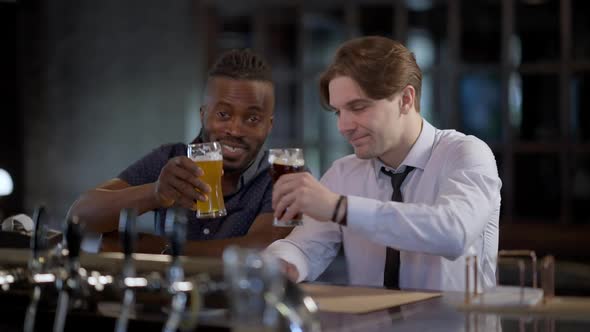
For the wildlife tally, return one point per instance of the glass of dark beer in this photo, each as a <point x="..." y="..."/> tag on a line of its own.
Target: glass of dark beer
<point x="284" y="161"/>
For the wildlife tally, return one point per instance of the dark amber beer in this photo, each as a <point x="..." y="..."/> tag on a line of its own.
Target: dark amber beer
<point x="285" y="161"/>
<point x="276" y="170"/>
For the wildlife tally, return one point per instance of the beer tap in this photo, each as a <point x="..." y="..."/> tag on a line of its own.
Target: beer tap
<point x="10" y="276"/>
<point x="128" y="236"/>
<point x="70" y="281"/>
<point x="38" y="243"/>
<point x="175" y="227"/>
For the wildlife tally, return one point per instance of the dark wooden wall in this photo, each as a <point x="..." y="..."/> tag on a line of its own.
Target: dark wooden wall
<point x="11" y="126"/>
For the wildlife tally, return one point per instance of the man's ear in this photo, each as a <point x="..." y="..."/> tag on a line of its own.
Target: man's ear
<point x="407" y="98"/>
<point x="272" y="117"/>
<point x="202" y="110"/>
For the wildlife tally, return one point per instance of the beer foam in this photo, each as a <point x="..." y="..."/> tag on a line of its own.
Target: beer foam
<point x="211" y="156"/>
<point x="286" y="161"/>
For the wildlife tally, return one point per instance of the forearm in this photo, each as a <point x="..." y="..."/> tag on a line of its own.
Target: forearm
<point x="310" y="248"/>
<point x="297" y="265"/>
<point x="99" y="208"/>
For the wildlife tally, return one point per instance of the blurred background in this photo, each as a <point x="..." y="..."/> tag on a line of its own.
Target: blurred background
<point x="90" y="86"/>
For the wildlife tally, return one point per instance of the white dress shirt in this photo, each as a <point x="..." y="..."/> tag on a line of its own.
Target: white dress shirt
<point x="450" y="211"/>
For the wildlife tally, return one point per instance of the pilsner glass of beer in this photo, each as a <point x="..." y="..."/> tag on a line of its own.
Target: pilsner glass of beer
<point x="209" y="158"/>
<point x="284" y="161"/>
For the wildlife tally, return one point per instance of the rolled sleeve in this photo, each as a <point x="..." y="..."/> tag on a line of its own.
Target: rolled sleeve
<point x="290" y="252"/>
<point x="310" y="247"/>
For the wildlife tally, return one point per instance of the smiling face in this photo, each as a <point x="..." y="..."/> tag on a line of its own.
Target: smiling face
<point x="238" y="113"/>
<point x="375" y="128"/>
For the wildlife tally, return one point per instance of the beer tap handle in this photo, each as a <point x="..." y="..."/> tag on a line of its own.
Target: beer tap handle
<point x="128" y="235"/>
<point x="73" y="237"/>
<point x="127" y="231"/>
<point x="32" y="310"/>
<point x="177" y="309"/>
<point x="38" y="243"/>
<point x="38" y="238"/>
<point x="175" y="228"/>
<point x="63" y="302"/>
<point x="123" y="319"/>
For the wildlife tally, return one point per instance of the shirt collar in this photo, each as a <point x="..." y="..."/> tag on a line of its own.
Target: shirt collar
<point x="418" y="155"/>
<point x="259" y="165"/>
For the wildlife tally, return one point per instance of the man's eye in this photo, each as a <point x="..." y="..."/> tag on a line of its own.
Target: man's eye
<point x="359" y="108"/>
<point x="254" y="119"/>
<point x="337" y="113"/>
<point x="223" y="115"/>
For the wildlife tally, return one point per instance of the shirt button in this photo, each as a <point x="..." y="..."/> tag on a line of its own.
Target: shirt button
<point x="206" y="231"/>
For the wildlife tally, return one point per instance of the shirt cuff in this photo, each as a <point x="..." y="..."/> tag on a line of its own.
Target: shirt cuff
<point x="289" y="251"/>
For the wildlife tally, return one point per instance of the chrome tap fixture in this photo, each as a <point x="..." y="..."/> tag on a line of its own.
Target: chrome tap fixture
<point x="70" y="277"/>
<point x="128" y="235"/>
<point x="38" y="243"/>
<point x="179" y="288"/>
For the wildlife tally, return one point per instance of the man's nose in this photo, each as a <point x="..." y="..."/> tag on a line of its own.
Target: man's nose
<point x="345" y="123"/>
<point x="235" y="127"/>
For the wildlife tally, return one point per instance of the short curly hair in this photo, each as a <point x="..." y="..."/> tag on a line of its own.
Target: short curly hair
<point x="241" y="64"/>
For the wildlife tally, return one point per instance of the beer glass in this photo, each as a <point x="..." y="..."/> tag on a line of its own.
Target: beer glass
<point x="255" y="285"/>
<point x="209" y="158"/>
<point x="284" y="161"/>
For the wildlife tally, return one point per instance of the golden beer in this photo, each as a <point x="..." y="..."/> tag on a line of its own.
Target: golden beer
<point x="212" y="176"/>
<point x="208" y="157"/>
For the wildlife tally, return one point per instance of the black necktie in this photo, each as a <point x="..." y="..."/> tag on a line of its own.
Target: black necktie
<point x="391" y="274"/>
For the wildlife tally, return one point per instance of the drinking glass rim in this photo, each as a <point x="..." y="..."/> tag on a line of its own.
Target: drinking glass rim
<point x="209" y="151"/>
<point x="281" y="153"/>
<point x="204" y="143"/>
<point x="285" y="149"/>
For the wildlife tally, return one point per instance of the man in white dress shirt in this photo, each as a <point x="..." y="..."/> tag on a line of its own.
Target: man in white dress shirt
<point x="451" y="190"/>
